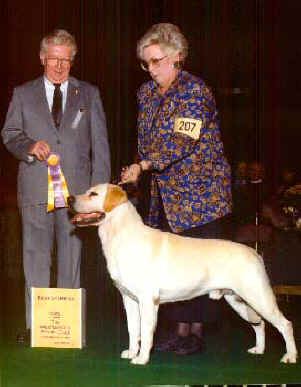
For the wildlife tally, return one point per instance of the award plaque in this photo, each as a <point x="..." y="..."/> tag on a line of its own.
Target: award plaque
<point x="58" y="318"/>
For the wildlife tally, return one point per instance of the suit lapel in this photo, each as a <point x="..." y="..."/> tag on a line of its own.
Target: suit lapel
<point x="41" y="103"/>
<point x="72" y="103"/>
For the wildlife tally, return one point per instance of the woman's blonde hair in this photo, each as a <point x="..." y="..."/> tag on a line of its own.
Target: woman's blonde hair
<point x="60" y="38"/>
<point x="168" y="36"/>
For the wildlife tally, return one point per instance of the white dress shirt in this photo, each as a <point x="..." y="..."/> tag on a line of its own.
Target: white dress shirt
<point x="49" y="88"/>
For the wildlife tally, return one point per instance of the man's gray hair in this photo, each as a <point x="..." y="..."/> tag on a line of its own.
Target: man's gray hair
<point x="60" y="38"/>
<point x="168" y="36"/>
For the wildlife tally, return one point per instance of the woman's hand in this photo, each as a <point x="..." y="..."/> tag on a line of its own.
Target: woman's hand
<point x="131" y="173"/>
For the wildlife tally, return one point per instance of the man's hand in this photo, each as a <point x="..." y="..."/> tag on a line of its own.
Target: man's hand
<point x="40" y="150"/>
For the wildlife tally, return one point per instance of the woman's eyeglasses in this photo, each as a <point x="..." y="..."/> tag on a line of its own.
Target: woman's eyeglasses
<point x="155" y="62"/>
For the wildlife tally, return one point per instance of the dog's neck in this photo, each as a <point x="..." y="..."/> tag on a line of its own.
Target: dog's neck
<point x="114" y="218"/>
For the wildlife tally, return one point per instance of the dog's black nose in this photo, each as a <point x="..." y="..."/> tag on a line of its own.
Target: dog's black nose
<point x="70" y="201"/>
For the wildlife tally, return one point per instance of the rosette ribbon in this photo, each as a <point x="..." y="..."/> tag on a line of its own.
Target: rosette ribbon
<point x="57" y="186"/>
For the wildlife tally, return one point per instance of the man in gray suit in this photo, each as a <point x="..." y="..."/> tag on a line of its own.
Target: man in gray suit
<point x="55" y="115"/>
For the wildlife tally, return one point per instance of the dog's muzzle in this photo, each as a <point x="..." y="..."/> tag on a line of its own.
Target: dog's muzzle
<point x="90" y="219"/>
<point x="84" y="219"/>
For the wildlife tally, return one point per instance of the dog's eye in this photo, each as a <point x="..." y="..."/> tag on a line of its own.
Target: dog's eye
<point x="93" y="194"/>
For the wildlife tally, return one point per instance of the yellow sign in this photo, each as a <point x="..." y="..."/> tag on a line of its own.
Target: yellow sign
<point x="58" y="318"/>
<point x="189" y="126"/>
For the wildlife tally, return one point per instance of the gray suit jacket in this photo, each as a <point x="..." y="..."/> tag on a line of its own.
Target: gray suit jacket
<point x="81" y="140"/>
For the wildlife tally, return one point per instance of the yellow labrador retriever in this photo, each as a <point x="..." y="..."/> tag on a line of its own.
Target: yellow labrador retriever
<point x="151" y="267"/>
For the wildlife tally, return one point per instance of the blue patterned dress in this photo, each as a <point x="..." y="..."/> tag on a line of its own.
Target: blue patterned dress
<point x="179" y="133"/>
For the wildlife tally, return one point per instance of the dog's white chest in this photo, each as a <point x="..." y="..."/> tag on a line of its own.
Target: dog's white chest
<point x="124" y="290"/>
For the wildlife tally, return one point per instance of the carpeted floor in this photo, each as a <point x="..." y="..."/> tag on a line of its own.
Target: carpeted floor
<point x="224" y="359"/>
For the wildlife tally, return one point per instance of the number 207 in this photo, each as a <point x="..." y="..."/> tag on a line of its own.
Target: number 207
<point x="186" y="126"/>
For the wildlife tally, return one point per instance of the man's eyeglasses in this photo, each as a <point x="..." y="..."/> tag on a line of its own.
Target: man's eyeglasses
<point x="155" y="62"/>
<point x="64" y="62"/>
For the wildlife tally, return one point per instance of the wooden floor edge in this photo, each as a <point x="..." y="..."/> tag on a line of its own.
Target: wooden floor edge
<point x="293" y="290"/>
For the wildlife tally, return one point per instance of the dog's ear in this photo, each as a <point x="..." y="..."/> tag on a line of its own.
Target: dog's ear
<point x="114" y="197"/>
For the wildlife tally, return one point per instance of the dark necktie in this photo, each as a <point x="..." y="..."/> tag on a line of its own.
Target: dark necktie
<point x="57" y="105"/>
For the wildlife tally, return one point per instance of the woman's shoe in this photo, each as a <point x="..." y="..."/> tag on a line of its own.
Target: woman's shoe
<point x="188" y="345"/>
<point x="167" y="345"/>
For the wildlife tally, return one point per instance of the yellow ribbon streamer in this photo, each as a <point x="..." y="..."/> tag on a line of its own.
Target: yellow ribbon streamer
<point x="53" y="161"/>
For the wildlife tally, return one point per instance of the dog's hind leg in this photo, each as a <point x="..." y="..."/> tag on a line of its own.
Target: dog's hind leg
<point x="133" y="322"/>
<point x="260" y="338"/>
<point x="148" y="315"/>
<point x="266" y="306"/>
<point x="248" y="314"/>
<point x="285" y="327"/>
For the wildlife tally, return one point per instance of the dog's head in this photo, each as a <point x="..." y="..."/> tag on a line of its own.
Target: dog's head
<point x="91" y="207"/>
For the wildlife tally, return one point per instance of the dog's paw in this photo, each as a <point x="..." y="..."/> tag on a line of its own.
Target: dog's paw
<point x="127" y="354"/>
<point x="256" y="350"/>
<point x="140" y="360"/>
<point x="289" y="358"/>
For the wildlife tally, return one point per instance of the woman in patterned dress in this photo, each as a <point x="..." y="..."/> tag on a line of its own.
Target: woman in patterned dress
<point x="179" y="141"/>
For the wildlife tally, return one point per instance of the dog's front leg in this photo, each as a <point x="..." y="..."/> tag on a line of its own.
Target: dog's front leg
<point x="133" y="321"/>
<point x="148" y="318"/>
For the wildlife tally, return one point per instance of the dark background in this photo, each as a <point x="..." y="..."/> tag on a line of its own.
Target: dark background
<point x="248" y="51"/>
